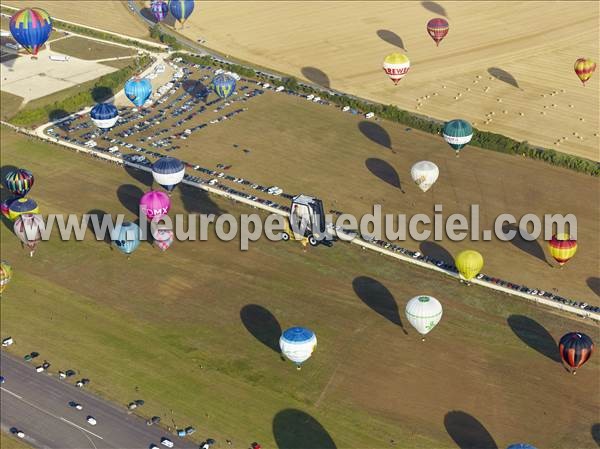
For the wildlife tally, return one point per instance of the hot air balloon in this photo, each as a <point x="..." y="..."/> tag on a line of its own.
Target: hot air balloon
<point x="520" y="446"/>
<point x="28" y="227"/>
<point x="22" y="206"/>
<point x="104" y="115"/>
<point x="163" y="238"/>
<point x="5" y="275"/>
<point x="223" y="85"/>
<point x="31" y="28"/>
<point x="457" y="133"/>
<point x="19" y="182"/>
<point x="297" y="344"/>
<point x="396" y="65"/>
<point x="5" y="207"/>
<point x="126" y="237"/>
<point x="168" y="172"/>
<point x="437" y="29"/>
<point x="575" y="349"/>
<point x="181" y="9"/>
<point x="138" y="90"/>
<point x="469" y="264"/>
<point x="423" y="313"/>
<point x="155" y="204"/>
<point x="584" y="67"/>
<point x="562" y="248"/>
<point x="160" y="9"/>
<point x="424" y="174"/>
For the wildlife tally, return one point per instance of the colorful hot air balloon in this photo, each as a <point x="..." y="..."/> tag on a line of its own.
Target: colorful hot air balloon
<point x="575" y="349"/>
<point x="297" y="344"/>
<point x="28" y="227"/>
<point x="562" y="248"/>
<point x="223" y="85"/>
<point x="163" y="238"/>
<point x="424" y="313"/>
<point x="396" y="65"/>
<point x="104" y="115"/>
<point x="31" y="28"/>
<point x="520" y="446"/>
<point x="155" y="204"/>
<point x="168" y="172"/>
<point x="424" y="174"/>
<point x="584" y="67"/>
<point x="126" y="237"/>
<point x="160" y="9"/>
<point x="457" y="133"/>
<point x="5" y="207"/>
<point x="437" y="29"/>
<point x="22" y="206"/>
<point x="5" y="275"/>
<point x="181" y="9"/>
<point x="19" y="182"/>
<point x="138" y="90"/>
<point x="469" y="264"/>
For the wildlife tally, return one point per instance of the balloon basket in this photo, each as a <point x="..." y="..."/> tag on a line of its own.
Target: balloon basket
<point x="298" y="367"/>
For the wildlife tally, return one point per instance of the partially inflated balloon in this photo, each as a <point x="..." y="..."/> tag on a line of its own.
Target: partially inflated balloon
<point x="168" y="172"/>
<point x="223" y="85"/>
<point x="126" y="238"/>
<point x="575" y="349"/>
<point x="28" y="228"/>
<point x="424" y="174"/>
<point x="584" y="67"/>
<point x="423" y="313"/>
<point x="181" y="9"/>
<point x="396" y="66"/>
<point x="562" y="248"/>
<point x="297" y="344"/>
<point x="31" y="28"/>
<point x="437" y="29"/>
<point x="104" y="115"/>
<point x="469" y="263"/>
<point x="160" y="9"/>
<point x="155" y="204"/>
<point x="138" y="90"/>
<point x="22" y="206"/>
<point x="5" y="275"/>
<point x="457" y="133"/>
<point x="19" y="182"/>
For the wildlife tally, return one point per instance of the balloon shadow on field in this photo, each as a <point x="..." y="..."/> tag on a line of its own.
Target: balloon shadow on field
<point x="384" y="171"/>
<point x="295" y="429"/>
<point x="375" y="295"/>
<point x="596" y="433"/>
<point x="534" y="335"/>
<point x="503" y="75"/>
<point x="196" y="89"/>
<point x="391" y="38"/>
<point x="102" y="94"/>
<point x="140" y="176"/>
<point x="533" y="248"/>
<point x="467" y="432"/>
<point x="196" y="201"/>
<point x="435" y="8"/>
<point x="146" y="13"/>
<point x="594" y="284"/>
<point x="316" y="76"/>
<point x="262" y="325"/>
<point x="436" y="251"/>
<point x="130" y="196"/>
<point x="375" y="133"/>
<point x="100" y="214"/>
<point x="57" y="114"/>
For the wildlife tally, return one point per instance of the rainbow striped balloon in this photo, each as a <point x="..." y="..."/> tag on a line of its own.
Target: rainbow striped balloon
<point x="562" y="248"/>
<point x="19" y="182"/>
<point x="31" y="28"/>
<point x="584" y="67"/>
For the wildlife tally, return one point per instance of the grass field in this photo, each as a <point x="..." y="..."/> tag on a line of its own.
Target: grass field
<point x="9" y="104"/>
<point x="88" y="49"/>
<point x="193" y="329"/>
<point x="9" y="442"/>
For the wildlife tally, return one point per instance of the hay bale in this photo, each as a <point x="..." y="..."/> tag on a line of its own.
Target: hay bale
<point x="521" y="114"/>
<point x="571" y="105"/>
<point x="581" y="119"/>
<point x="505" y="112"/>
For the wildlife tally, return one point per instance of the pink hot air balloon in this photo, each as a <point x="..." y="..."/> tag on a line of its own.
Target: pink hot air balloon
<point x="163" y="238"/>
<point x="155" y="204"/>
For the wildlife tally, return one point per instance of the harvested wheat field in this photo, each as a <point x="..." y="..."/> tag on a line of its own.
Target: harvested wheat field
<point x="505" y="66"/>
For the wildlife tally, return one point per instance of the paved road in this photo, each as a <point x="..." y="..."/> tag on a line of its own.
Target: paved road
<point x="36" y="403"/>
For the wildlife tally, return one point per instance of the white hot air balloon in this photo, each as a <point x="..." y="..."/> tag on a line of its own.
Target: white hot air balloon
<point x="423" y="313"/>
<point x="424" y="174"/>
<point x="297" y="344"/>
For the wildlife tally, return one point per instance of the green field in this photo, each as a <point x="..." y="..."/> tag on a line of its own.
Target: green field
<point x="9" y="104"/>
<point x="82" y="48"/>
<point x="7" y="441"/>
<point x="169" y="325"/>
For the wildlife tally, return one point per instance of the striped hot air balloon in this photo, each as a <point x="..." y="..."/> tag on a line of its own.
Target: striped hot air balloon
<point x="28" y="228"/>
<point x="168" y="172"/>
<point x="575" y="349"/>
<point x="31" y="28"/>
<point x="297" y="344"/>
<point x="22" y="206"/>
<point x="138" y="90"/>
<point x="584" y="67"/>
<point x="104" y="115"/>
<point x="562" y="248"/>
<point x="223" y="85"/>
<point x="457" y="133"/>
<point x="19" y="182"/>
<point x="396" y="66"/>
<point x="5" y="275"/>
<point x="181" y="9"/>
<point x="437" y="29"/>
<point x="5" y="207"/>
<point x="160" y="9"/>
<point x="469" y="263"/>
<point x="163" y="239"/>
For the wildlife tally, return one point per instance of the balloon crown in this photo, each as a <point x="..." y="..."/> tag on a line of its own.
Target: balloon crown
<point x="423" y="299"/>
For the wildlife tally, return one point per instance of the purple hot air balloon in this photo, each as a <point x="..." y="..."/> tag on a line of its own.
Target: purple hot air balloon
<point x="155" y="205"/>
<point x="160" y="9"/>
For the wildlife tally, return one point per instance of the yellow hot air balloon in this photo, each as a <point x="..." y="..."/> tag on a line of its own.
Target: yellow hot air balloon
<point x="396" y="65"/>
<point x="5" y="275"/>
<point x="584" y="67"/>
<point x="469" y="264"/>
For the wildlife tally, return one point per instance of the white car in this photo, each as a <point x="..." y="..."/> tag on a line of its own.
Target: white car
<point x="213" y="181"/>
<point x="153" y="446"/>
<point x="91" y="420"/>
<point x="20" y="434"/>
<point x="166" y="442"/>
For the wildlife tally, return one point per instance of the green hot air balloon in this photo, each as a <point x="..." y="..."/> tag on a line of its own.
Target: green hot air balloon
<point x="457" y="133"/>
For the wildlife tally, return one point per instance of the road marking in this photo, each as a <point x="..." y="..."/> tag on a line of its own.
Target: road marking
<point x="81" y="428"/>
<point x="10" y="392"/>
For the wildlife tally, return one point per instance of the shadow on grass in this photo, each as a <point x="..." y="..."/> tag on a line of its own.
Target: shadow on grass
<point x="503" y="75"/>
<point x="391" y="38"/>
<point x="467" y="432"/>
<point x="596" y="433"/>
<point x="375" y="133"/>
<point x="57" y="114"/>
<point x="375" y="295"/>
<point x="262" y="325"/>
<point x="102" y="94"/>
<point x="533" y="247"/>
<point x="436" y="251"/>
<point x="140" y="176"/>
<point x="385" y="172"/>
<point x="435" y="8"/>
<point x="316" y="76"/>
<point x="100" y="214"/>
<point x="295" y="429"/>
<point x="196" y="201"/>
<point x="594" y="284"/>
<point x="534" y="335"/>
<point x="129" y="196"/>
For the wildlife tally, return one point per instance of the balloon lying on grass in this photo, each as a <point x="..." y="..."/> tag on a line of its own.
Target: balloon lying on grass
<point x="104" y="115"/>
<point x="423" y="313"/>
<point x="181" y="9"/>
<point x="469" y="263"/>
<point x="28" y="228"/>
<point x="138" y="90"/>
<point x="155" y="205"/>
<point x="5" y="275"/>
<point x="297" y="344"/>
<point x="22" y="206"/>
<point x="126" y="237"/>
<point x="424" y="174"/>
<point x="575" y="349"/>
<point x="19" y="182"/>
<point x="437" y="29"/>
<point x="396" y="66"/>
<point x="584" y="68"/>
<point x="223" y="85"/>
<point x="562" y="248"/>
<point x="31" y="27"/>
<point x="457" y="134"/>
<point x="163" y="238"/>
<point x="160" y="9"/>
<point x="168" y="172"/>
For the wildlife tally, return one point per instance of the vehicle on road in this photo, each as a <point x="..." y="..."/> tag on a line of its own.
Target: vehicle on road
<point x="91" y="420"/>
<point x="17" y="432"/>
<point x="75" y="405"/>
<point x="2" y="380"/>
<point x="166" y="442"/>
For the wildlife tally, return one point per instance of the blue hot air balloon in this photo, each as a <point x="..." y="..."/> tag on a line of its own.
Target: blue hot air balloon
<point x="31" y="28"/>
<point x="138" y="90"/>
<point x="223" y="85"/>
<point x="297" y="344"/>
<point x="181" y="9"/>
<point x="160" y="9"/>
<point x="126" y="237"/>
<point x="168" y="172"/>
<point x="104" y="115"/>
<point x="520" y="446"/>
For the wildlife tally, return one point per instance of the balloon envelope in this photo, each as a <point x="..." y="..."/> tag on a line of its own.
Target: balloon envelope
<point x="163" y="238"/>
<point x="423" y="313"/>
<point x="28" y="227"/>
<point x="223" y="85"/>
<point x="5" y="274"/>
<point x="584" y="67"/>
<point x="575" y="349"/>
<point x="520" y="446"/>
<point x="31" y="28"/>
<point x="469" y="264"/>
<point x="160" y="9"/>
<point x="457" y="133"/>
<point x="168" y="172"/>
<point x="424" y="174"/>
<point x="297" y="344"/>
<point x="437" y="29"/>
<point x="562" y="248"/>
<point x="19" y="182"/>
<point x="138" y="90"/>
<point x="126" y="237"/>
<point x="22" y="206"/>
<point x="104" y="115"/>
<point x="5" y="207"/>
<point x="155" y="204"/>
<point x="181" y="9"/>
<point x="396" y="66"/>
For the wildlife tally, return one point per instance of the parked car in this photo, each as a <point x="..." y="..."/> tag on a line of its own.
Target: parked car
<point x="166" y="442"/>
<point x="75" y="405"/>
<point x="91" y="420"/>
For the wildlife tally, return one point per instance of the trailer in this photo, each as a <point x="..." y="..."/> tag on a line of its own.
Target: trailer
<point x="307" y="220"/>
